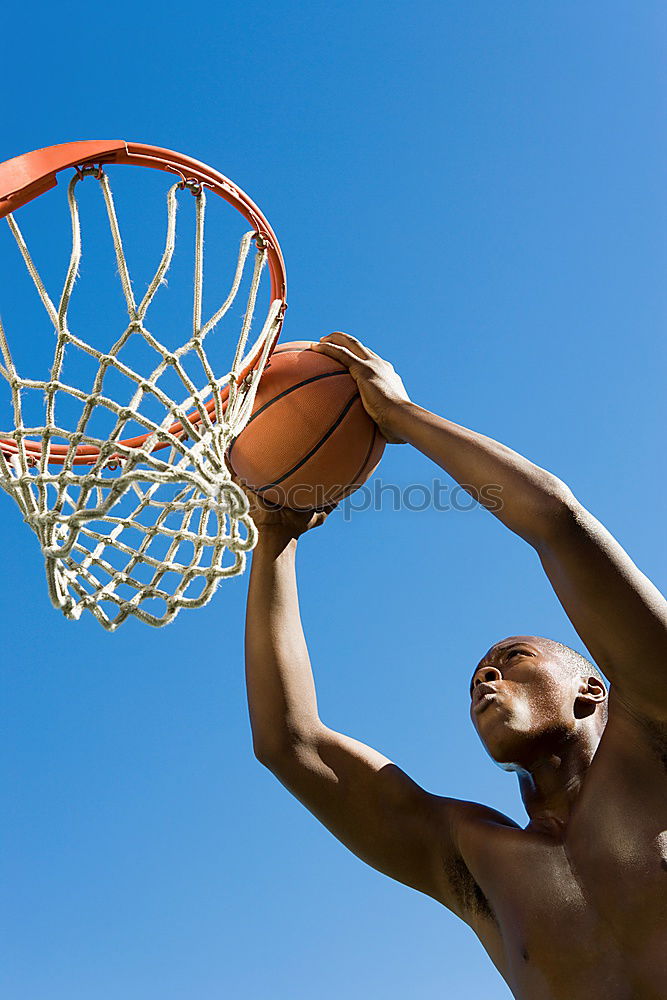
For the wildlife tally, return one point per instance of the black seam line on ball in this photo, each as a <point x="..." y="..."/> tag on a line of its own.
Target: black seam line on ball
<point x="286" y="392"/>
<point x="361" y="467"/>
<point x="280" y="349"/>
<point x="295" y="468"/>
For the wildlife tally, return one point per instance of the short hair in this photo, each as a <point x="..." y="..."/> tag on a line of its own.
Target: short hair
<point x="577" y="665"/>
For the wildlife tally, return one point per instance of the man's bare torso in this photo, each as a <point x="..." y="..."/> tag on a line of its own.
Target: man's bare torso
<point x="575" y="906"/>
<point x="583" y="913"/>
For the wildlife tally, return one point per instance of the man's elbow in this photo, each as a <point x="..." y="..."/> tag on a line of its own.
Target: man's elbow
<point x="268" y="751"/>
<point x="279" y="751"/>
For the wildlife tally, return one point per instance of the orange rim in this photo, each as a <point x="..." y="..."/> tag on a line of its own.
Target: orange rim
<point x="26" y="177"/>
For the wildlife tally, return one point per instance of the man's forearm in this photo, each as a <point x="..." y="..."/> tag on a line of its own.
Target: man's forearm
<point x="281" y="690"/>
<point x="526" y="498"/>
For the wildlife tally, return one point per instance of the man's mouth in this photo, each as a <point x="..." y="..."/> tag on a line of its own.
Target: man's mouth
<point x="483" y="703"/>
<point x="482" y="696"/>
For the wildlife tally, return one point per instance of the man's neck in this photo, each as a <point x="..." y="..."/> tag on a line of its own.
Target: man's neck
<point x="551" y="784"/>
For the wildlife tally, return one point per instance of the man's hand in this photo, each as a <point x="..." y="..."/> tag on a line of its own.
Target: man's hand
<point x="271" y="519"/>
<point x="381" y="389"/>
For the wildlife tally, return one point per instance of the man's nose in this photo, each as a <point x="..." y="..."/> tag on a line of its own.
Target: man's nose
<point x="486" y="675"/>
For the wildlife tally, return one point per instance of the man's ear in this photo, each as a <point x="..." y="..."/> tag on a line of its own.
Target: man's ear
<point x="591" y="693"/>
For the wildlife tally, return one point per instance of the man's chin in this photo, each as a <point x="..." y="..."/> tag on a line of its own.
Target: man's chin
<point x="506" y="753"/>
<point x="509" y="767"/>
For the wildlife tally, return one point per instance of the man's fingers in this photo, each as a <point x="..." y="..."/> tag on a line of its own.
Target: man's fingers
<point x="341" y="354"/>
<point x="348" y="341"/>
<point x="320" y="516"/>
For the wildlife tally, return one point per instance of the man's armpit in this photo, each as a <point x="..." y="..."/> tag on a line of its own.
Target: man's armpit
<point x="471" y="830"/>
<point x="469" y="898"/>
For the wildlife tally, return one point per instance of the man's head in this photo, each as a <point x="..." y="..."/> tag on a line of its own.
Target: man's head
<point x="530" y="695"/>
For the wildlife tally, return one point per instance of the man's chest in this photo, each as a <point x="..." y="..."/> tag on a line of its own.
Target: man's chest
<point x="585" y="914"/>
<point x="568" y="929"/>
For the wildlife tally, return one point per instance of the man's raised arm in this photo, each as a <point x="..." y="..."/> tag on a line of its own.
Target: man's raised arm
<point x="619" y="614"/>
<point x="367" y="802"/>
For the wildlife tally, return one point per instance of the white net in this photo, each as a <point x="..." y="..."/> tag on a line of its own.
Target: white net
<point x="126" y="528"/>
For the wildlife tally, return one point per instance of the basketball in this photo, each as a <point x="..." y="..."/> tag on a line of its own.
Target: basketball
<point x="309" y="441"/>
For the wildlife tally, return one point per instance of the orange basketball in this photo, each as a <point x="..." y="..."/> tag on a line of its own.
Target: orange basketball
<point x="309" y="441"/>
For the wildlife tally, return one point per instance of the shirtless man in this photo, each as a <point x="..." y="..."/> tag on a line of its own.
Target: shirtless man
<point x="575" y="904"/>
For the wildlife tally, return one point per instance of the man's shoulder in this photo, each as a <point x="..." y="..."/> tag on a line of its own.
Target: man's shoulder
<point x="464" y="817"/>
<point x="473" y="834"/>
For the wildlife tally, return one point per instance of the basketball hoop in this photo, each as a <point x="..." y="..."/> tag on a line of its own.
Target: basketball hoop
<point x="140" y="525"/>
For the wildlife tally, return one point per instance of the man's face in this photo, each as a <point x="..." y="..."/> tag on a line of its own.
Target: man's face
<point x="522" y="700"/>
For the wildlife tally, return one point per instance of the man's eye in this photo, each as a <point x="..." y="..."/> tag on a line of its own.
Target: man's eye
<point x="517" y="652"/>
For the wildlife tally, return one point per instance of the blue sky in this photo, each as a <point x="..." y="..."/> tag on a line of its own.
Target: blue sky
<point x="477" y="190"/>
